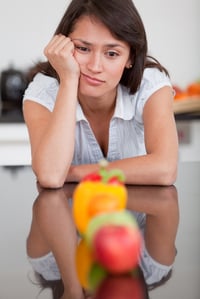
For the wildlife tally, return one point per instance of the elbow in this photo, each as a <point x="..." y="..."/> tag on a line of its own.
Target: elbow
<point x="48" y="179"/>
<point x="168" y="174"/>
<point x="50" y="182"/>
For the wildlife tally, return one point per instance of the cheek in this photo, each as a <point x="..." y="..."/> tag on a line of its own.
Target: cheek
<point x="116" y="70"/>
<point x="81" y="59"/>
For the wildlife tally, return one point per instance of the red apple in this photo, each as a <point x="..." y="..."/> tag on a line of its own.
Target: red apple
<point x="117" y="247"/>
<point x="122" y="217"/>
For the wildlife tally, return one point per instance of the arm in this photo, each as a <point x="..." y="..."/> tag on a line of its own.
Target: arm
<point x="51" y="157"/>
<point x="160" y="204"/>
<point x="53" y="230"/>
<point x="159" y="165"/>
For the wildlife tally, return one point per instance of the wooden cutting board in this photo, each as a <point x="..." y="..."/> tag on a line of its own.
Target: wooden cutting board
<point x="188" y="105"/>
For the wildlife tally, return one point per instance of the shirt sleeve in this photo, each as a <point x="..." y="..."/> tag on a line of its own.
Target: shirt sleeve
<point x="153" y="79"/>
<point x="42" y="90"/>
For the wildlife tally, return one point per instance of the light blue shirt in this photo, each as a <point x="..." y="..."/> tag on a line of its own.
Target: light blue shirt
<point x="126" y="132"/>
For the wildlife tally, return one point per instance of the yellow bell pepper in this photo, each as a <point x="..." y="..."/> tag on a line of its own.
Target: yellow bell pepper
<point x="94" y="197"/>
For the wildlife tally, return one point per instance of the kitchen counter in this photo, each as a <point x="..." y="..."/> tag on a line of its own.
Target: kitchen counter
<point x="187" y="116"/>
<point x="18" y="193"/>
<point x="14" y="139"/>
<point x="188" y="108"/>
<point x="14" y="116"/>
<point x="15" y="146"/>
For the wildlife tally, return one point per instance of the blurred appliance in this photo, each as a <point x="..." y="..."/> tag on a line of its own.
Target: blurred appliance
<point x="13" y="83"/>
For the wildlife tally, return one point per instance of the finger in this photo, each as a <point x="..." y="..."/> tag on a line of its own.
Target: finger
<point x="57" y="44"/>
<point x="57" y="40"/>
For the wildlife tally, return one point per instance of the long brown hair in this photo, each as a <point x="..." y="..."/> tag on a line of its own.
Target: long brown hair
<point x="55" y="286"/>
<point x="124" y="22"/>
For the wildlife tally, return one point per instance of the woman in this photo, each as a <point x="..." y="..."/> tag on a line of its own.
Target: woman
<point x="100" y="96"/>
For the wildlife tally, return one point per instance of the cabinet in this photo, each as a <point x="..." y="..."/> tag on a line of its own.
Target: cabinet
<point x="15" y="147"/>
<point x="14" y="144"/>
<point x="189" y="141"/>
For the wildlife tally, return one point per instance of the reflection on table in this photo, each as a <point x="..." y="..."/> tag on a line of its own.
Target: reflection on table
<point x="53" y="240"/>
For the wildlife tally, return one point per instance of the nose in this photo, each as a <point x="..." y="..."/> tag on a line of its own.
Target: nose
<point x="95" y="63"/>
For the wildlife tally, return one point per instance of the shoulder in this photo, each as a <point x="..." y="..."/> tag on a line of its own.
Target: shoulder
<point x="42" y="89"/>
<point x="41" y="80"/>
<point x="152" y="80"/>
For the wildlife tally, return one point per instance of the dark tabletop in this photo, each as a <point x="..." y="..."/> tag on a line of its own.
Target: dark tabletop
<point x="18" y="192"/>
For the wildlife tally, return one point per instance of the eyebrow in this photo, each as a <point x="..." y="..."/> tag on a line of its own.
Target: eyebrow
<point x="110" y="45"/>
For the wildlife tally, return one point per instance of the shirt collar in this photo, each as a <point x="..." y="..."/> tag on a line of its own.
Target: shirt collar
<point x="124" y="104"/>
<point x="79" y="113"/>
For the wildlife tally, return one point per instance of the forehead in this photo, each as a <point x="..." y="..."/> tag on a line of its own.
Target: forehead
<point x="93" y="30"/>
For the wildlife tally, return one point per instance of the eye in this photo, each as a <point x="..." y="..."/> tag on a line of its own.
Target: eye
<point x="82" y="49"/>
<point x="112" y="54"/>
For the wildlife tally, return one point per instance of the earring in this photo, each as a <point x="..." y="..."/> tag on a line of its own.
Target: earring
<point x="130" y="66"/>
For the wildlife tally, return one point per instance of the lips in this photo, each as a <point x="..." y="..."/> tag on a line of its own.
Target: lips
<point x="92" y="80"/>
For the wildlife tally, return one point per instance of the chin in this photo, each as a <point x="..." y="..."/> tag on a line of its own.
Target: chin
<point x="90" y="92"/>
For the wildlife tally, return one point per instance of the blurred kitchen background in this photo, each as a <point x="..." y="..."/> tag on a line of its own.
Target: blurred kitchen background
<point x="26" y="27"/>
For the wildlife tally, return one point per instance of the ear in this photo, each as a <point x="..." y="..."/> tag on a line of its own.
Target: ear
<point x="129" y="64"/>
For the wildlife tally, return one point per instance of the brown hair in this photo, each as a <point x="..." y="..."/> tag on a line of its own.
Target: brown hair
<point x="124" y="22"/>
<point x="55" y="286"/>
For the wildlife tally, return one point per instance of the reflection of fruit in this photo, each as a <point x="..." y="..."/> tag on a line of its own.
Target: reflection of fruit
<point x="117" y="247"/>
<point x="90" y="274"/>
<point x="96" y="276"/>
<point x="91" y="198"/>
<point x="122" y="217"/>
<point x="84" y="263"/>
<point x="121" y="287"/>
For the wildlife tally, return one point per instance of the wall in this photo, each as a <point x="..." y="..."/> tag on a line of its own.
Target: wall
<point x="172" y="28"/>
<point x="173" y="32"/>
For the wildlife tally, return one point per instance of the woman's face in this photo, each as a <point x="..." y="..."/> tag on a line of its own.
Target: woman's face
<point x="102" y="57"/>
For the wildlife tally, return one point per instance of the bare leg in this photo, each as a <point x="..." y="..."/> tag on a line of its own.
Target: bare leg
<point x="53" y="230"/>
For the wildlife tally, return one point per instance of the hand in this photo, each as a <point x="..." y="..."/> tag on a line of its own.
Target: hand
<point x="59" y="52"/>
<point x="77" y="172"/>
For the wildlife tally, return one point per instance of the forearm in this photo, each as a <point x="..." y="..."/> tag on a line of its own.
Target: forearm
<point x="141" y="170"/>
<point x="160" y="230"/>
<point x="149" y="169"/>
<point x="151" y="200"/>
<point x="54" y="152"/>
<point x="53" y="230"/>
